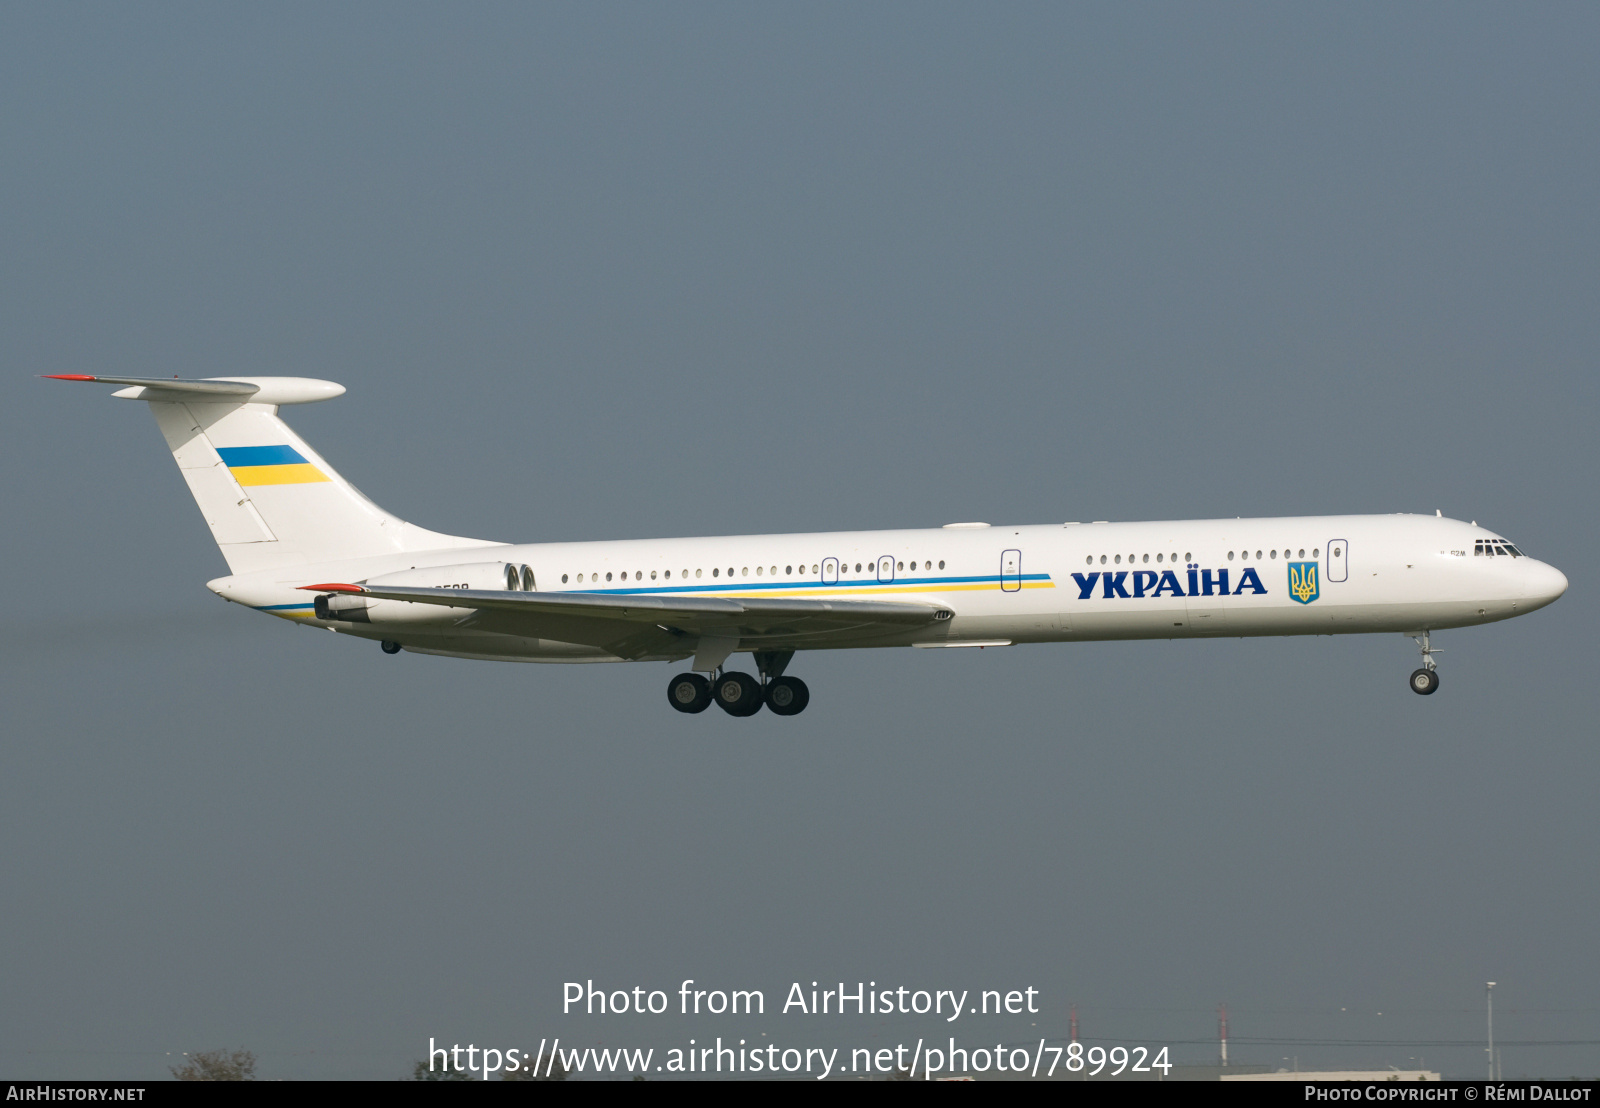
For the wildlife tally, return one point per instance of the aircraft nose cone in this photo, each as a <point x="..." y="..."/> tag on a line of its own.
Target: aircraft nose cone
<point x="1545" y="583"/>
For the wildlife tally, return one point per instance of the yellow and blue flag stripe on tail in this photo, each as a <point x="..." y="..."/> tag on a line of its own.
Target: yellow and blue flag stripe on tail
<point x="269" y="465"/>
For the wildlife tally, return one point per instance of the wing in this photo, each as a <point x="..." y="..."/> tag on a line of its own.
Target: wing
<point x="640" y="626"/>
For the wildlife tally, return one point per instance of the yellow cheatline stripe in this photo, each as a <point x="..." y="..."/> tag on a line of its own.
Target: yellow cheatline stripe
<point x="300" y="473"/>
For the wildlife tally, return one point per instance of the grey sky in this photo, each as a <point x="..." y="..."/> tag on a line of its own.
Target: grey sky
<point x="648" y="270"/>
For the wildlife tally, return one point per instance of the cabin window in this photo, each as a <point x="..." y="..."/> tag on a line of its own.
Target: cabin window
<point x="1187" y="556"/>
<point x="608" y="577"/>
<point x="1302" y="553"/>
<point x="1314" y="552"/>
<point x="715" y="572"/>
<point x="1230" y="555"/>
<point x="1102" y="559"/>
<point x="1119" y="559"/>
<point x="758" y="571"/>
<point x="745" y="572"/>
<point x="563" y="578"/>
<point x="1273" y="553"/>
<point x="1258" y="555"/>
<point x="941" y="565"/>
<point x="899" y="565"/>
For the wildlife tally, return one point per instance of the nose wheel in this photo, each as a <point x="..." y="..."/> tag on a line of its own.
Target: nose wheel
<point x="1425" y="681"/>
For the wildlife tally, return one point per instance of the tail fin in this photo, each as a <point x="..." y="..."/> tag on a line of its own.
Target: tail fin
<point x="269" y="499"/>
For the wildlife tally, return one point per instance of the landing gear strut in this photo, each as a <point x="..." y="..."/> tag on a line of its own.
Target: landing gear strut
<point x="390" y="646"/>
<point x="1425" y="681"/>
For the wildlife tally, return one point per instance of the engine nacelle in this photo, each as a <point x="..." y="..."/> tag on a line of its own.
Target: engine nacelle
<point x="476" y="576"/>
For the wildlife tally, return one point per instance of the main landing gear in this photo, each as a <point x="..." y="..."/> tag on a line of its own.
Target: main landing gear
<point x="1425" y="681"/>
<point x="739" y="694"/>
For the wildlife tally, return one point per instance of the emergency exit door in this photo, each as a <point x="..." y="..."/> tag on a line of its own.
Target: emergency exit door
<point x="1338" y="559"/>
<point x="1011" y="571"/>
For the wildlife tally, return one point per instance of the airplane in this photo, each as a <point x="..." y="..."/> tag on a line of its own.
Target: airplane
<point x="304" y="545"/>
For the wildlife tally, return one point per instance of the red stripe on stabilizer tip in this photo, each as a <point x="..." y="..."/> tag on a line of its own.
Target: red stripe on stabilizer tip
<point x="68" y="377"/>
<point x="332" y="588"/>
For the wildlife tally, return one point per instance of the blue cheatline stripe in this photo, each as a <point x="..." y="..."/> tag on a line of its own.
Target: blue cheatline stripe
<point x="813" y="583"/>
<point x="281" y="607"/>
<point x="259" y="456"/>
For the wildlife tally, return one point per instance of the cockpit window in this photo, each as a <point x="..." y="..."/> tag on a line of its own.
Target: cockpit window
<point x="1490" y="548"/>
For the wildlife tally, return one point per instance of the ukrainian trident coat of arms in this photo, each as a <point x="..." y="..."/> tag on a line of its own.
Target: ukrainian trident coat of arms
<point x="1303" y="581"/>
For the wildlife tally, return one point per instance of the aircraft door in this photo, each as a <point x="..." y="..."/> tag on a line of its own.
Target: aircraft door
<point x="885" y="569"/>
<point x="1338" y="559"/>
<point x="1011" y="571"/>
<point x="830" y="571"/>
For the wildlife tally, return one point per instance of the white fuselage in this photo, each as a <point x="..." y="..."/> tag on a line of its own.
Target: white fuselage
<point x="1308" y="575"/>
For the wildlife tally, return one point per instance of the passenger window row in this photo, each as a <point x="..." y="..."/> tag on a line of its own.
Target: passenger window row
<point x="761" y="571"/>
<point x="1116" y="559"/>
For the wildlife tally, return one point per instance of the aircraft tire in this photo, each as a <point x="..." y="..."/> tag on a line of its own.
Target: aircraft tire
<point x="390" y="646"/>
<point x="1425" y="682"/>
<point x="738" y="694"/>
<point x="787" y="696"/>
<point x="689" y="692"/>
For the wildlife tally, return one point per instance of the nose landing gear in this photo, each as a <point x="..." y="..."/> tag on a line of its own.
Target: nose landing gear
<point x="1425" y="681"/>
